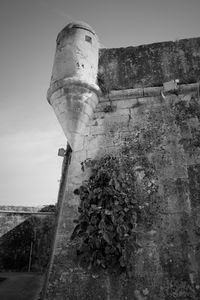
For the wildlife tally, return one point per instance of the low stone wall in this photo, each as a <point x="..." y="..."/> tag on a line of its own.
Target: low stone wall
<point x="27" y="246"/>
<point x="9" y="221"/>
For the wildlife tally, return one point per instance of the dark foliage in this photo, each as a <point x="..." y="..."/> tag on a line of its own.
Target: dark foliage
<point x="107" y="226"/>
<point x="48" y="208"/>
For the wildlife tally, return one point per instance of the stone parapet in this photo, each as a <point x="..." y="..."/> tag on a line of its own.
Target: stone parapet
<point x="150" y="65"/>
<point x="136" y="93"/>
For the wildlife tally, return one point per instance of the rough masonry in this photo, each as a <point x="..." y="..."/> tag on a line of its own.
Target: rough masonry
<point x="148" y="114"/>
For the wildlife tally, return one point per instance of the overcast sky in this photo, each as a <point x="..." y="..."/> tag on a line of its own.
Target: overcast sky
<point x="29" y="132"/>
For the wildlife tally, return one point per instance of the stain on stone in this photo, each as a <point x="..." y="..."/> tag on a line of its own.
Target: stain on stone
<point x="194" y="185"/>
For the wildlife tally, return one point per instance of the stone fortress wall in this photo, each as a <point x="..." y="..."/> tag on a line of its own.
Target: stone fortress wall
<point x="146" y="116"/>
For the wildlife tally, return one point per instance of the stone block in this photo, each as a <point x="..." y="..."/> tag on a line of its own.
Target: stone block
<point x="93" y="142"/>
<point x="98" y="115"/>
<point x="169" y="223"/>
<point x="119" y="112"/>
<point x="96" y="130"/>
<point x="156" y="100"/>
<point x="152" y="91"/>
<point x="137" y="112"/>
<point x="126" y="93"/>
<point x="192" y="157"/>
<point x="125" y="103"/>
<point x="176" y="195"/>
<point x="193" y="122"/>
<point x="78" y="156"/>
<point x="105" y="106"/>
<point x="194" y="186"/>
<point x="93" y="153"/>
<point x="116" y="123"/>
<point x="185" y="131"/>
<point x="170" y="86"/>
<point x="57" y="94"/>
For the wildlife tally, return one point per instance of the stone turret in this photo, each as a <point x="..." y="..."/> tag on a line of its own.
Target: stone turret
<point x="138" y="231"/>
<point x="73" y="91"/>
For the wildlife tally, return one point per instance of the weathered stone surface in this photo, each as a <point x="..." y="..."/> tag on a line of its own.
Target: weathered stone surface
<point x="27" y="246"/>
<point x="156" y="129"/>
<point x="159" y="136"/>
<point x="73" y="87"/>
<point x="150" y="65"/>
<point x="9" y="221"/>
<point x="76" y="54"/>
<point x="74" y="110"/>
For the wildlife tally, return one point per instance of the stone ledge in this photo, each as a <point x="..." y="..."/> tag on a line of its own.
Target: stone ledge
<point x="127" y="94"/>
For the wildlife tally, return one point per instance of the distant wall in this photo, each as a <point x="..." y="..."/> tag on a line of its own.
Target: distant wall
<point x="27" y="243"/>
<point x="9" y="221"/>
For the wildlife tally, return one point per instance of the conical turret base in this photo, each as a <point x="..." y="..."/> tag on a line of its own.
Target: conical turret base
<point x="74" y="106"/>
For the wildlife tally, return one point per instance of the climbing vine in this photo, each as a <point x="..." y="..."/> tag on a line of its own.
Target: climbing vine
<point x="110" y="214"/>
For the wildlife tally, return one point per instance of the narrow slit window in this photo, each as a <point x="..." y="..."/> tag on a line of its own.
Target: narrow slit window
<point x="88" y="39"/>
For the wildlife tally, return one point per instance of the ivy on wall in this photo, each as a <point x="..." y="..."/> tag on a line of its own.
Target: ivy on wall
<point x="112" y="210"/>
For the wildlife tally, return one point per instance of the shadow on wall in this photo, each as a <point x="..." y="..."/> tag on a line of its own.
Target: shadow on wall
<point x="9" y="221"/>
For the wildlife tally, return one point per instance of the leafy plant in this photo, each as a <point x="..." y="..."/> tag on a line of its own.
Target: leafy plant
<point x="106" y="229"/>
